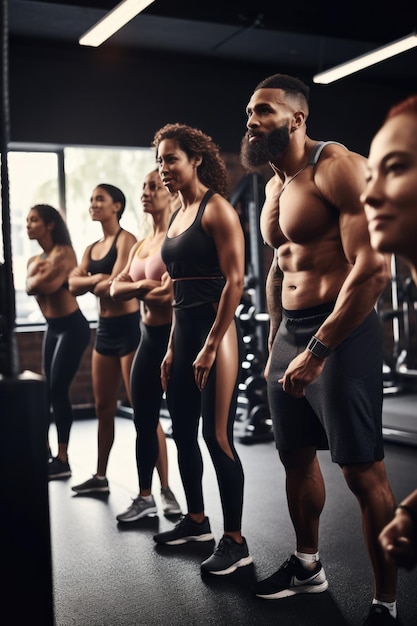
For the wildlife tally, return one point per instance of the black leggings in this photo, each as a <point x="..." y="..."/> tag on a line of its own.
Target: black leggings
<point x="64" y="343"/>
<point x="186" y="404"/>
<point x="146" y="392"/>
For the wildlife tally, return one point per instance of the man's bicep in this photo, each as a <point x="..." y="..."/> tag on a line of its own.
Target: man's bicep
<point x="354" y="235"/>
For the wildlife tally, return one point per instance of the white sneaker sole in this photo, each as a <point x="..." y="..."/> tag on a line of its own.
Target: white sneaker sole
<point x="92" y="490"/>
<point x="172" y="511"/>
<point x="151" y="512"/>
<point x="61" y="475"/>
<point x="181" y="540"/>
<point x="292" y="591"/>
<point x="247" y="560"/>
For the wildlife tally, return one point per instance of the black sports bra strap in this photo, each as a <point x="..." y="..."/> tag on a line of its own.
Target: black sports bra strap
<point x="201" y="208"/>
<point x="209" y="193"/>
<point x="112" y="245"/>
<point x="117" y="236"/>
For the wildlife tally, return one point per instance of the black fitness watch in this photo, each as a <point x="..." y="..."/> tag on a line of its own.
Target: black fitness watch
<point x="318" y="348"/>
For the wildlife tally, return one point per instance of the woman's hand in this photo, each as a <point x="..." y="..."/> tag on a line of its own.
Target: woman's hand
<point x="166" y="368"/>
<point x="202" y="366"/>
<point x="78" y="271"/>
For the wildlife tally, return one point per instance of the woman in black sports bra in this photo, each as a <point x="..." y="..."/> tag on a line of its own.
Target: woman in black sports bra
<point x="118" y="330"/>
<point x="204" y="255"/>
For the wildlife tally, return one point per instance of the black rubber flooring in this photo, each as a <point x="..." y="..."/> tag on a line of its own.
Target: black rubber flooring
<point x="105" y="574"/>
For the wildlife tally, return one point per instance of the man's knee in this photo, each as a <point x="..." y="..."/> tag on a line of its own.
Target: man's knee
<point x="363" y="478"/>
<point x="299" y="460"/>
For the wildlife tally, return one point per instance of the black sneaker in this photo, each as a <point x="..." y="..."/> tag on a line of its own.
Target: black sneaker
<point x="186" y="530"/>
<point x="227" y="557"/>
<point x="290" y="579"/>
<point x="58" y="469"/>
<point x="379" y="615"/>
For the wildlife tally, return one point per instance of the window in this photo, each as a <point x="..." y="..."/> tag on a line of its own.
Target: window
<point x="65" y="178"/>
<point x="33" y="178"/>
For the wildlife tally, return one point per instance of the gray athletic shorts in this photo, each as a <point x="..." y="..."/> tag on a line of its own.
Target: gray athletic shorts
<point x="342" y="408"/>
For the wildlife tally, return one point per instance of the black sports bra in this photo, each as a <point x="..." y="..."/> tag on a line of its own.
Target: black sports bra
<point x="106" y="264"/>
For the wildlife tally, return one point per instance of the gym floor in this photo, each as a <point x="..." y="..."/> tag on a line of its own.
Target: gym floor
<point x="105" y="574"/>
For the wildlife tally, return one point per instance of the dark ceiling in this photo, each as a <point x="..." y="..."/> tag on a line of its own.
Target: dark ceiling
<point x="301" y="38"/>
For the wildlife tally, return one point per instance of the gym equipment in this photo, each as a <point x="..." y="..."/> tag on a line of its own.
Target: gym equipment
<point x="397" y="309"/>
<point x="253" y="423"/>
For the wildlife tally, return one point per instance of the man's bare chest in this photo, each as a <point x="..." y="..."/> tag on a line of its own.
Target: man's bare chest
<point x="303" y="215"/>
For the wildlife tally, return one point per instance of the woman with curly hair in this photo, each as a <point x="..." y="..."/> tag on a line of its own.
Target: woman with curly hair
<point x="204" y="254"/>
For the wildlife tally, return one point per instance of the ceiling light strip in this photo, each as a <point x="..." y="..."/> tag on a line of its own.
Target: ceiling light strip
<point x="365" y="60"/>
<point x="113" y="21"/>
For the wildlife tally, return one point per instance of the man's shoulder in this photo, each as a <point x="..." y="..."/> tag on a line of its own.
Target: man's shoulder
<point x="338" y="161"/>
<point x="340" y="173"/>
<point x="335" y="150"/>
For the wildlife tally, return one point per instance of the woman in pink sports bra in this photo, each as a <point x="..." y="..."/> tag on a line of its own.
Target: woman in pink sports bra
<point x="145" y="277"/>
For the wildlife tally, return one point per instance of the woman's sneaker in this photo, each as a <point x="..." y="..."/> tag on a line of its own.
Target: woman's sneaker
<point x="227" y="557"/>
<point x="58" y="469"/>
<point x="186" y="530"/>
<point x="170" y="505"/>
<point x="140" y="507"/>
<point x="93" y="485"/>
<point x="290" y="579"/>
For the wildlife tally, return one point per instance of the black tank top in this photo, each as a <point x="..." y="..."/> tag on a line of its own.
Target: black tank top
<point x="106" y="264"/>
<point x="192" y="262"/>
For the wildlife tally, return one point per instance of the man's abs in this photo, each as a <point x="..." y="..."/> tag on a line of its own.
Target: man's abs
<point x="306" y="289"/>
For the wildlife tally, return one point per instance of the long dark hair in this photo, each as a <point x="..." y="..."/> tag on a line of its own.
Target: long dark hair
<point x="212" y="171"/>
<point x="60" y="233"/>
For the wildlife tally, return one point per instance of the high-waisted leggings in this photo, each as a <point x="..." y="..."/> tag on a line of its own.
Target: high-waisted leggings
<point x="64" y="343"/>
<point x="146" y="393"/>
<point x="187" y="404"/>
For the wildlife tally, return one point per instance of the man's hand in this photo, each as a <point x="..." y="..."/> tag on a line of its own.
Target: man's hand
<point x="301" y="372"/>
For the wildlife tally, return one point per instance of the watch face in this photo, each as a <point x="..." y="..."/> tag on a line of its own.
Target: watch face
<point x="318" y="348"/>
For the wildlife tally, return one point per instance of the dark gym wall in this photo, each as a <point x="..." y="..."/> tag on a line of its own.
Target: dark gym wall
<point x="84" y="96"/>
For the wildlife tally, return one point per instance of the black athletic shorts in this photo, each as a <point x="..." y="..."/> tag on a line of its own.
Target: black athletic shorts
<point x="119" y="335"/>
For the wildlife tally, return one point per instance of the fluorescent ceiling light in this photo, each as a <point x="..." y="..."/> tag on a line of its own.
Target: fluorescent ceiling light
<point x="113" y="21"/>
<point x="365" y="60"/>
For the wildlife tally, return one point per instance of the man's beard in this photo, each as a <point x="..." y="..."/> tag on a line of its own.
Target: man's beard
<point x="265" y="149"/>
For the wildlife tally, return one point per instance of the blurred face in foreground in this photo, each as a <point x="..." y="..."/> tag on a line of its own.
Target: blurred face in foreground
<point x="390" y="195"/>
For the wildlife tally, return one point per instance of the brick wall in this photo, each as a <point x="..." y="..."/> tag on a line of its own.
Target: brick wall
<point x="29" y="343"/>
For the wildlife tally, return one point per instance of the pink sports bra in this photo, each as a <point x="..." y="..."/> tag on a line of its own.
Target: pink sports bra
<point x="151" y="267"/>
